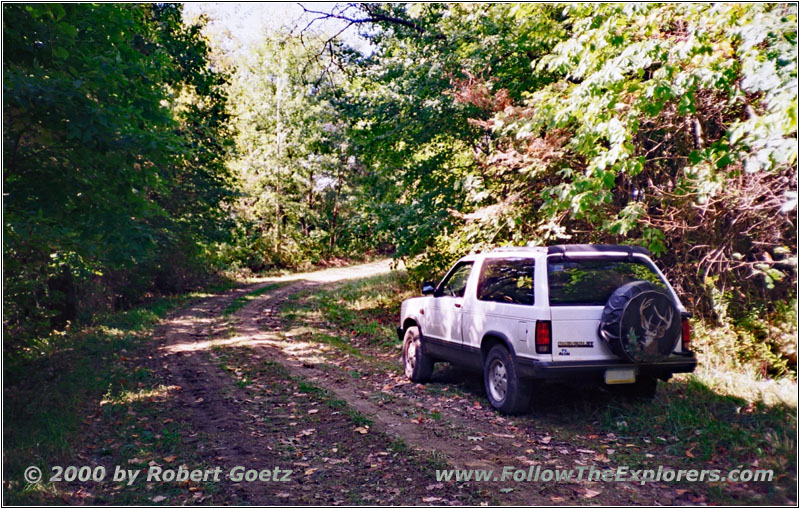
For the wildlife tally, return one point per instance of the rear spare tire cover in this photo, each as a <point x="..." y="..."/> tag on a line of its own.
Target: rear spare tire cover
<point x="640" y="322"/>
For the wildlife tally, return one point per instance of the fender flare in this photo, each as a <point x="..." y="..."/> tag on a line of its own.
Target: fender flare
<point x="409" y="321"/>
<point x="503" y="338"/>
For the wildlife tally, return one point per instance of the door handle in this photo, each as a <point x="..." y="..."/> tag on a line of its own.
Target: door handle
<point x="457" y="305"/>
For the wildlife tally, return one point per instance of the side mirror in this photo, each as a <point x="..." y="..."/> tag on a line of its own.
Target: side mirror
<point x="428" y="288"/>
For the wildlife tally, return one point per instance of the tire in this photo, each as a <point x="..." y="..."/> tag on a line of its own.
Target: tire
<point x="645" y="387"/>
<point x="640" y="323"/>
<point x="506" y="392"/>
<point x="417" y="365"/>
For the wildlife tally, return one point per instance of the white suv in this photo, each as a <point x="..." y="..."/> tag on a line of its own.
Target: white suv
<point x="594" y="312"/>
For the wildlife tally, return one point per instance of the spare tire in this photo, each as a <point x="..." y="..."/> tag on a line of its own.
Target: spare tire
<point x="640" y="322"/>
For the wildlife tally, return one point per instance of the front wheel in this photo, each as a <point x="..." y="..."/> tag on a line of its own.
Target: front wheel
<point x="417" y="364"/>
<point x="506" y="392"/>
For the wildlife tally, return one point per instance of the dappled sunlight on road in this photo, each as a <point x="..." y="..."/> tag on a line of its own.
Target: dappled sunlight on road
<point x="331" y="275"/>
<point x="159" y="393"/>
<point x="303" y="351"/>
<point x="193" y="334"/>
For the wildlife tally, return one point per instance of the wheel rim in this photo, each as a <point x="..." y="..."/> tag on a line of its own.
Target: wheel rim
<point x="411" y="358"/>
<point x="498" y="380"/>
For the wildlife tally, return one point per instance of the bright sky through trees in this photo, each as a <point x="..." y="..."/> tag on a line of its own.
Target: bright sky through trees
<point x="245" y="24"/>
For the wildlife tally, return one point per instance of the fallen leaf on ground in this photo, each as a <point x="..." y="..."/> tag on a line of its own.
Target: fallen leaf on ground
<point x="503" y="435"/>
<point x="361" y="429"/>
<point x="159" y="498"/>
<point x="590" y="493"/>
<point x="170" y="459"/>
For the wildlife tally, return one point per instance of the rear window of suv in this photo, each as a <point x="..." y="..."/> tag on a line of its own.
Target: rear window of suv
<point x="591" y="282"/>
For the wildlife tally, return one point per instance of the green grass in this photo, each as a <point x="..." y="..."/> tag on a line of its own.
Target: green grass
<point x="368" y="308"/>
<point x="690" y="424"/>
<point x="240" y="302"/>
<point x="340" y="343"/>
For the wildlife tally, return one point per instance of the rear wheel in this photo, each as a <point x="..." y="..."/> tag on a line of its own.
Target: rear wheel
<point x="417" y="364"/>
<point x="506" y="392"/>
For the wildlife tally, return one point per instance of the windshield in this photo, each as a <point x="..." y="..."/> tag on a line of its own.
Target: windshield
<point x="591" y="282"/>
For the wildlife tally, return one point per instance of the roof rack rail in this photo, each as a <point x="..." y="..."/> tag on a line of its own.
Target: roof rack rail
<point x="502" y="249"/>
<point x="596" y="248"/>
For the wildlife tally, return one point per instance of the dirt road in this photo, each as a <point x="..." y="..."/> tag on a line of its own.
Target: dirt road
<point x="257" y="391"/>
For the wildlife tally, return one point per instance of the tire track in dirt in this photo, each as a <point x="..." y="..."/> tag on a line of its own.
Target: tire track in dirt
<point x="185" y="337"/>
<point x="220" y="412"/>
<point x="258" y="323"/>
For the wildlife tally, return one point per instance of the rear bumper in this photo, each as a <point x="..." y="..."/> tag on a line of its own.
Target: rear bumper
<point x="531" y="368"/>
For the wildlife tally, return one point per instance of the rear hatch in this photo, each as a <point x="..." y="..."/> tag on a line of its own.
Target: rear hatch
<point x="578" y="288"/>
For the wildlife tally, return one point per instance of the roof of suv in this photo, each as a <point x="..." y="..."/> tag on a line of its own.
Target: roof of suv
<point x="575" y="248"/>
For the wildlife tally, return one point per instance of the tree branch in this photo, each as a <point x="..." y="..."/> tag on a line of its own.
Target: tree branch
<point x="373" y="18"/>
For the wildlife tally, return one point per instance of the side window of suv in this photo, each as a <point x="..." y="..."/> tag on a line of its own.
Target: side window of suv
<point x="508" y="280"/>
<point x="455" y="284"/>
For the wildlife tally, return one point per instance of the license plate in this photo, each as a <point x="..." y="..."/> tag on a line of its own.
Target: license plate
<point x="620" y="376"/>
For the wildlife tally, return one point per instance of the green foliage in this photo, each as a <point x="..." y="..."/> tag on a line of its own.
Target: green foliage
<point x="676" y="130"/>
<point x="294" y="167"/>
<point x="669" y="126"/>
<point x="113" y="146"/>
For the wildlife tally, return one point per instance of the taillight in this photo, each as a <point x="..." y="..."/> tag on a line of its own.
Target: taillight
<point x="543" y="339"/>
<point x="686" y="334"/>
